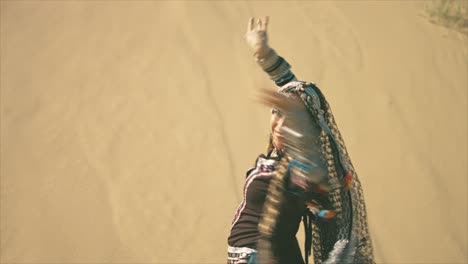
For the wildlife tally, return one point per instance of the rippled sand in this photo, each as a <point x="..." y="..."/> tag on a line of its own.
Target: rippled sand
<point x="127" y="127"/>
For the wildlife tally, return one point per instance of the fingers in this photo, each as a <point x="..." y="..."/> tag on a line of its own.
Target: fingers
<point x="265" y="23"/>
<point x="259" y="24"/>
<point x="250" y="25"/>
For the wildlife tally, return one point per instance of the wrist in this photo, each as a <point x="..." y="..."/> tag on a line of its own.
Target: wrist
<point x="262" y="52"/>
<point x="267" y="58"/>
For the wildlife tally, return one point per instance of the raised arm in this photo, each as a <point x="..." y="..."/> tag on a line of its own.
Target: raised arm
<point x="274" y="65"/>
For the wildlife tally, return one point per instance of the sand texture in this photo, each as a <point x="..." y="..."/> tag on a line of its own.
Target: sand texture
<point x="127" y="126"/>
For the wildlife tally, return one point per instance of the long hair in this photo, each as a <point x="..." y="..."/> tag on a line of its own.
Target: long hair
<point x="270" y="146"/>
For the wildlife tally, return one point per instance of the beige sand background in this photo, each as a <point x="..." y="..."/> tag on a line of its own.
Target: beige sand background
<point x="127" y="127"/>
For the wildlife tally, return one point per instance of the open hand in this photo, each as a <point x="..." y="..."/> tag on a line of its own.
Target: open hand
<point x="257" y="37"/>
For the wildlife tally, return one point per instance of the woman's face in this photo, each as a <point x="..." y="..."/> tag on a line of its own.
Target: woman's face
<point x="295" y="117"/>
<point x="277" y="122"/>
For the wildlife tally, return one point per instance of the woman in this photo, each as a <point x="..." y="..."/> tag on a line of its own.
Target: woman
<point x="306" y="174"/>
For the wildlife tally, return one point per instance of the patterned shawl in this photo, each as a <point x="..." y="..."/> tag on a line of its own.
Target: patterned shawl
<point x="345" y="238"/>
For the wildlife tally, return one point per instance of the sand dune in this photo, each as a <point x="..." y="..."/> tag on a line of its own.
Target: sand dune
<point x="127" y="127"/>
